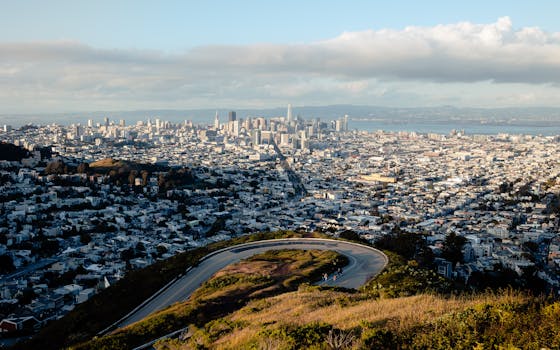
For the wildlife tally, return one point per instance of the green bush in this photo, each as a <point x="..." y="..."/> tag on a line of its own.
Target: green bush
<point x="378" y="339"/>
<point x="298" y="337"/>
<point x="401" y="278"/>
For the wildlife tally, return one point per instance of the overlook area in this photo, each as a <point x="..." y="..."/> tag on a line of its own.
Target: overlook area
<point x="278" y="300"/>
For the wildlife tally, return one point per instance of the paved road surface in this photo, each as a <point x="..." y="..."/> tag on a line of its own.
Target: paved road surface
<point x="365" y="262"/>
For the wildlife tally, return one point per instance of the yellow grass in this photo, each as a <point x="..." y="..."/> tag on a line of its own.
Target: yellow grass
<point x="346" y="311"/>
<point x="107" y="163"/>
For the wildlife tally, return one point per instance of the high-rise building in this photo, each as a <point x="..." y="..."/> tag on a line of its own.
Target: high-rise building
<point x="106" y="121"/>
<point x="232" y="116"/>
<point x="345" y="122"/>
<point x="90" y="123"/>
<point x="338" y="125"/>
<point x="289" y="116"/>
<point x="284" y="139"/>
<point x="217" y="121"/>
<point x="236" y="128"/>
<point x="256" y="137"/>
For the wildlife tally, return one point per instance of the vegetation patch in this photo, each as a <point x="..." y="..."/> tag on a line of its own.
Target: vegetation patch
<point x="405" y="278"/>
<point x="310" y="318"/>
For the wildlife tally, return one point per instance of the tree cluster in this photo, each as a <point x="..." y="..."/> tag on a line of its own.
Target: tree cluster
<point x="11" y="152"/>
<point x="175" y="178"/>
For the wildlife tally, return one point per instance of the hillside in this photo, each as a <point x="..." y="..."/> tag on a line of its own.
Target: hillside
<point x="310" y="317"/>
<point x="267" y="303"/>
<point x="260" y="276"/>
<point x="262" y="303"/>
<point x="111" y="163"/>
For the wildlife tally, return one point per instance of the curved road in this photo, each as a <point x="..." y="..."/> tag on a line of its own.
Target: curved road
<point x="364" y="263"/>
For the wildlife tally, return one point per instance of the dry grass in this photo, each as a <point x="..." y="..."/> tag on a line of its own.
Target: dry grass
<point x="107" y="163"/>
<point x="346" y="311"/>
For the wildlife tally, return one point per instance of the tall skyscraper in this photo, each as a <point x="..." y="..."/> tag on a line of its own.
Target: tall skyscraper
<point x="338" y="125"/>
<point x="289" y="116"/>
<point x="217" y="121"/>
<point x="232" y="116"/>
<point x="345" y="122"/>
<point x="236" y="128"/>
<point x="256" y="137"/>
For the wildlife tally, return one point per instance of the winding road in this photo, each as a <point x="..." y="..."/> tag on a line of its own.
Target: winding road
<point x="364" y="263"/>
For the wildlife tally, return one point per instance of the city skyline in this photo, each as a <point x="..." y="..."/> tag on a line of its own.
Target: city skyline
<point x="249" y="55"/>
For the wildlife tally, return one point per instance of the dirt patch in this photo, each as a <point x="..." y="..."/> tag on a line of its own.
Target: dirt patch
<point x="282" y="269"/>
<point x="266" y="268"/>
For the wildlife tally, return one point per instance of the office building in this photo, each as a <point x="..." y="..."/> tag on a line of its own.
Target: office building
<point x="289" y="116"/>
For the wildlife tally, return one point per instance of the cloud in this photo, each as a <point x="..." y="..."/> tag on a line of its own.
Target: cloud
<point x="354" y="67"/>
<point x="462" y="52"/>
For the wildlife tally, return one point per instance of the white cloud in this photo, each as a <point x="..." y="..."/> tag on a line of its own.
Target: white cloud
<point x="372" y="66"/>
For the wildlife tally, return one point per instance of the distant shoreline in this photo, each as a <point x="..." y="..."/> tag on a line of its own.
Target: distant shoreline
<point x="486" y="121"/>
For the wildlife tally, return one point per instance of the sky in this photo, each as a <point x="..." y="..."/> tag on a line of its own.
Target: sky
<point x="64" y="56"/>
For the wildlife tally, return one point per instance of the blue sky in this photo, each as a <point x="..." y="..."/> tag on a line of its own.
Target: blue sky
<point x="60" y="56"/>
<point x="179" y="25"/>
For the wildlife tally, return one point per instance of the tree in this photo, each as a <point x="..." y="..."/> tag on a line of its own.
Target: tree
<point x="83" y="168"/>
<point x="56" y="167"/>
<point x="161" y="250"/>
<point x="404" y="243"/>
<point x="132" y="177"/>
<point x="12" y="152"/>
<point x="127" y="254"/>
<point x="6" y="264"/>
<point x="140" y="247"/>
<point x="85" y="238"/>
<point x="452" y="248"/>
<point x="505" y="187"/>
<point x="49" y="247"/>
<point x="144" y="174"/>
<point x="26" y="296"/>
<point x="351" y="236"/>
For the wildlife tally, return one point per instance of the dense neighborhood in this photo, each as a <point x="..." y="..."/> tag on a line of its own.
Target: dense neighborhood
<point x="83" y="204"/>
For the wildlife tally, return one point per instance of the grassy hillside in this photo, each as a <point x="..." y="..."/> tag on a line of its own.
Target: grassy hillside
<point x="263" y="275"/>
<point x="405" y="307"/>
<point x="309" y="318"/>
<point x="110" y="163"/>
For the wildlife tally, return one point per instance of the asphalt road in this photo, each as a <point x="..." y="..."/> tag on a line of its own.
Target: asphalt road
<point x="365" y="262"/>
